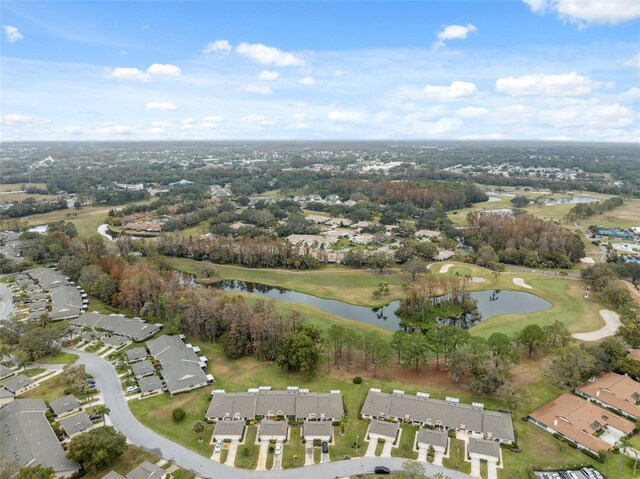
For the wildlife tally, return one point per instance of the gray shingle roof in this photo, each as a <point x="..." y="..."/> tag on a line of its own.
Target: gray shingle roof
<point x="135" y="354"/>
<point x="115" y="340"/>
<point x="5" y="371"/>
<point x="273" y="428"/>
<point x="113" y="475"/>
<point x="452" y="415"/>
<point x="75" y="423"/>
<point x="66" y="302"/>
<point x="26" y="436"/>
<point x="317" y="428"/>
<point x="17" y="382"/>
<point x="482" y="446"/>
<point x="47" y="277"/>
<point x="181" y="368"/>
<point x="5" y="393"/>
<point x="146" y="470"/>
<point x="133" y="328"/>
<point x="64" y="405"/>
<point x="384" y="428"/>
<point x="433" y="438"/>
<point x="143" y="368"/>
<point x="294" y="403"/>
<point x="229" y="428"/>
<point x="149" y="384"/>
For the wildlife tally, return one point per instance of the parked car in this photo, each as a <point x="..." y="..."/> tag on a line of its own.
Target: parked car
<point x="587" y="472"/>
<point x="381" y="470"/>
<point x="218" y="447"/>
<point x="131" y="389"/>
<point x="596" y="473"/>
<point x="95" y="417"/>
<point x="278" y="448"/>
<point x="325" y="447"/>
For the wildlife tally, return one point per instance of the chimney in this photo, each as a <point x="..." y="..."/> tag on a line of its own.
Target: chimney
<point x="598" y="393"/>
<point x="555" y="422"/>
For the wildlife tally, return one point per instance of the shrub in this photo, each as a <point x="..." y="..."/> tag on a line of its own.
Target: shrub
<point x="357" y="380"/>
<point x="178" y="414"/>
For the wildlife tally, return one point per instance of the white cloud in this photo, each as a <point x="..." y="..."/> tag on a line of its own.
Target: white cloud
<point x="589" y="115"/>
<point x="303" y="117"/>
<point x="164" y="69"/>
<point x="268" y="75"/>
<point x="218" y="46"/>
<point x="564" y="84"/>
<point x="346" y="116"/>
<point x="156" y="130"/>
<point x="633" y="62"/>
<point x="259" y="120"/>
<point x="454" y="32"/>
<point x="116" y="130"/>
<point x="161" y="106"/>
<point x="12" y="33"/>
<point x="135" y="74"/>
<point x="455" y="91"/>
<point x="297" y="126"/>
<point x="307" y="81"/>
<point x="212" y="119"/>
<point x="18" y="119"/>
<point x="583" y="12"/>
<point x="260" y="89"/>
<point x="632" y="94"/>
<point x="266" y="55"/>
<point x="128" y="74"/>
<point x="472" y="112"/>
<point x="188" y="121"/>
<point x="160" y="124"/>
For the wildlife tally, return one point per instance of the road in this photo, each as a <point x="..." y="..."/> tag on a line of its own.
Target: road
<point x="123" y="420"/>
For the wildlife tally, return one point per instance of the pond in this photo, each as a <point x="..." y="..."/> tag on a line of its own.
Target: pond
<point x="571" y="199"/>
<point x="490" y="303"/>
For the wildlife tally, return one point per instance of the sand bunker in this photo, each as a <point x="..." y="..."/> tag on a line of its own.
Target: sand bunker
<point x="520" y="282"/>
<point x="611" y="325"/>
<point x="446" y="267"/>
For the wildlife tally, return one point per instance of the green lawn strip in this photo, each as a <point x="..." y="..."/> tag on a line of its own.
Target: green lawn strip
<point x="58" y="358"/>
<point x="344" y="284"/>
<point x="316" y="455"/>
<point x="132" y="457"/>
<point x="379" y="446"/>
<point x="247" y="456"/>
<point x="293" y="450"/>
<point x="155" y="413"/>
<point x="405" y="449"/>
<point x="224" y="454"/>
<point x="456" y="457"/>
<point x="32" y="372"/>
<point x="270" y="455"/>
<point x="182" y="474"/>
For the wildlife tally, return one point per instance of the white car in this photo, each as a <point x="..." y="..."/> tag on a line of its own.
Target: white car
<point x="278" y="448"/>
<point x="218" y="447"/>
<point x="131" y="389"/>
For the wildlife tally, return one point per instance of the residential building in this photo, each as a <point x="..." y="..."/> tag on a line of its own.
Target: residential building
<point x="146" y="470"/>
<point x="181" y="367"/>
<point x="615" y="391"/>
<point x="136" y="354"/>
<point x="383" y="430"/>
<point x="133" y="328"/>
<point x="447" y="414"/>
<point x="76" y="424"/>
<point x="65" y="405"/>
<point x="317" y="430"/>
<point x="581" y="422"/>
<point x="229" y="430"/>
<point x="430" y="437"/>
<point x="270" y="430"/>
<point x="19" y="384"/>
<point x="5" y="372"/>
<point x="27" y="437"/>
<point x="150" y="385"/>
<point x="143" y="368"/>
<point x="265" y="403"/>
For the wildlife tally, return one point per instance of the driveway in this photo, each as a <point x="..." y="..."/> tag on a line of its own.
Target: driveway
<point x="277" y="460"/>
<point x="371" y="448"/>
<point x="422" y="453"/>
<point x="492" y="469"/>
<point x="262" y="456"/>
<point x="386" y="449"/>
<point x="122" y="419"/>
<point x="475" y="467"/>
<point x="231" y="455"/>
<point x="308" y="455"/>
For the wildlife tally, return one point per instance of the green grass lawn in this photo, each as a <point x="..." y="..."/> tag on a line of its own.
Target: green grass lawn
<point x="224" y="454"/>
<point x="379" y="447"/>
<point x="270" y="455"/>
<point x="49" y="390"/>
<point x="132" y="457"/>
<point x="58" y="358"/>
<point x="32" y="372"/>
<point x="182" y="474"/>
<point x="247" y="456"/>
<point x="456" y="457"/>
<point x="405" y="449"/>
<point x="316" y="455"/>
<point x="293" y="450"/>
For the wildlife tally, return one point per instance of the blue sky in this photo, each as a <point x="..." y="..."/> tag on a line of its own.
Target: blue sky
<point x="534" y="69"/>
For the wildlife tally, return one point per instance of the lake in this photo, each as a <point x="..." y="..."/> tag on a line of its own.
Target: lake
<point x="490" y="303"/>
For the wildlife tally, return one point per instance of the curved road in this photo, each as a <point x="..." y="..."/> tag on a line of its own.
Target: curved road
<point x="123" y="420"/>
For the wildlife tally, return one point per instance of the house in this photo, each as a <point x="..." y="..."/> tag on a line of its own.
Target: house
<point x="5" y="372"/>
<point x="146" y="470"/>
<point x="133" y="328"/>
<point x="150" y="385"/>
<point x="580" y="421"/>
<point x="116" y="341"/>
<point x="48" y="278"/>
<point x="136" y="354"/>
<point x="616" y="391"/>
<point x="264" y="403"/>
<point x="320" y="430"/>
<point x="273" y="430"/>
<point x="27" y="437"/>
<point x="483" y="449"/>
<point x="65" y="405"/>
<point x="229" y="430"/>
<point x="66" y="303"/>
<point x="143" y="368"/>
<point x="449" y="414"/>
<point x="76" y="424"/>
<point x="439" y="440"/>
<point x="6" y="396"/>
<point x="113" y="475"/>
<point x="383" y="430"/>
<point x="182" y="368"/>
<point x="19" y="384"/>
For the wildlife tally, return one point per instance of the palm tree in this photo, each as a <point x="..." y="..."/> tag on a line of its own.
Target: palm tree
<point x="103" y="410"/>
<point x="625" y="443"/>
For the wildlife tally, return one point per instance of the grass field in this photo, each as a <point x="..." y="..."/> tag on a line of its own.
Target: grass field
<point x="294" y="449"/>
<point x="247" y="455"/>
<point x="6" y="187"/>
<point x="405" y="448"/>
<point x="58" y="358"/>
<point x="48" y="391"/>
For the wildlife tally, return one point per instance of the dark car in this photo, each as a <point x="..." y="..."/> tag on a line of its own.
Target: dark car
<point x="95" y="417"/>
<point x="381" y="470"/>
<point x="325" y="447"/>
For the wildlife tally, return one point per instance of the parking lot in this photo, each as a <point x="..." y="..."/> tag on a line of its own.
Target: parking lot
<point x="575" y="474"/>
